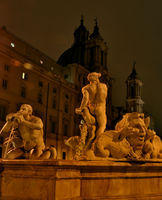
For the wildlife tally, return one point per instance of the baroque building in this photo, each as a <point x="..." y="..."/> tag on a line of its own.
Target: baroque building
<point x="53" y="88"/>
<point x="90" y="51"/>
<point x="29" y="76"/>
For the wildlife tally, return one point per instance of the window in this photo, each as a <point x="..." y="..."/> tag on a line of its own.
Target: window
<point x="24" y="76"/>
<point x="66" y="108"/>
<point x="54" y="103"/>
<point x="40" y="98"/>
<point x="91" y="56"/>
<point x="64" y="155"/>
<point x="23" y="92"/>
<point x="132" y="89"/>
<point x="2" y="112"/>
<point x="65" y="130"/>
<point x="54" y="90"/>
<point x="12" y="44"/>
<point x="102" y="57"/>
<point x="66" y="96"/>
<point x="40" y="84"/>
<point x="66" y="76"/>
<point x="41" y="62"/>
<point x="4" y="83"/>
<point x="6" y="68"/>
<point x="53" y="127"/>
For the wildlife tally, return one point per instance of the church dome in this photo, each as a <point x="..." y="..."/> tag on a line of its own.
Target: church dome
<point x="75" y="54"/>
<point x="81" y="33"/>
<point x="96" y="33"/>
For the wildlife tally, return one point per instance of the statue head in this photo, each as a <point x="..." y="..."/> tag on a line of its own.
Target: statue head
<point x="93" y="77"/>
<point x="133" y="126"/>
<point x="26" y="110"/>
<point x="136" y="121"/>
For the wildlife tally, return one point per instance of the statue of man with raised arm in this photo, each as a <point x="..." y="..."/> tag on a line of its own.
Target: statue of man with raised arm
<point x="94" y="102"/>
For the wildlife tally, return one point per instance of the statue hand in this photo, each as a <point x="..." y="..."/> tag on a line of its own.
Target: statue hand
<point x="10" y="116"/>
<point x="78" y="111"/>
<point x="19" y="118"/>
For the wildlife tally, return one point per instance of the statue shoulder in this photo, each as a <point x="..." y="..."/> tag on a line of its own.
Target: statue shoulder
<point x="85" y="88"/>
<point x="36" y="119"/>
<point x="104" y="85"/>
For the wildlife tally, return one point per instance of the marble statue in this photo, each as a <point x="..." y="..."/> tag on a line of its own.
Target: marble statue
<point x="94" y="102"/>
<point x="131" y="139"/>
<point x="26" y="136"/>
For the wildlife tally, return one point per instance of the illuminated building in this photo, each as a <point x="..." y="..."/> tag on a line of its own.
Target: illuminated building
<point x="53" y="89"/>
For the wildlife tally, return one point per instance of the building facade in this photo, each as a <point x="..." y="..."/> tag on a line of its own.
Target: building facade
<point x="29" y="76"/>
<point x="53" y="89"/>
<point x="90" y="51"/>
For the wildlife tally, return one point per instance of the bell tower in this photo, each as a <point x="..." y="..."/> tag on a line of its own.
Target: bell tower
<point x="134" y="102"/>
<point x="96" y="51"/>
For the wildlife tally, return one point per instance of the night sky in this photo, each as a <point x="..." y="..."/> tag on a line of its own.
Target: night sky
<point x="131" y="28"/>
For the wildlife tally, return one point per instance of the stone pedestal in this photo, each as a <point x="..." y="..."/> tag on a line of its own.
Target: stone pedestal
<point x="80" y="180"/>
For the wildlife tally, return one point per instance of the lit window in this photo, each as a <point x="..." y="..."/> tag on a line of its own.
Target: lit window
<point x="41" y="62"/>
<point x="24" y="76"/>
<point x="12" y="44"/>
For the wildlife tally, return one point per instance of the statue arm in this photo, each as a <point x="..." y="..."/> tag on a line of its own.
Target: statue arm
<point x="36" y="124"/>
<point x="85" y="99"/>
<point x="10" y="123"/>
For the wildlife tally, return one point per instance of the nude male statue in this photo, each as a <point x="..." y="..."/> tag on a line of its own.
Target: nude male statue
<point x="30" y="129"/>
<point x="94" y="102"/>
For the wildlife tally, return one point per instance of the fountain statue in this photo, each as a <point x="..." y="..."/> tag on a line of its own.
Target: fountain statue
<point x="25" y="138"/>
<point x="131" y="139"/>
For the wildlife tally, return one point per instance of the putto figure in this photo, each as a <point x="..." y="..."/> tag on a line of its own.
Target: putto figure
<point x="26" y="136"/>
<point x="94" y="102"/>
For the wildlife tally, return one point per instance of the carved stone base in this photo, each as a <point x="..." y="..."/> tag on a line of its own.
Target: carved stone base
<point x="80" y="180"/>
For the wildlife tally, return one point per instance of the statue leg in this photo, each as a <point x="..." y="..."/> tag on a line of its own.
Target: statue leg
<point x="91" y="131"/>
<point x="101" y="120"/>
<point x="13" y="154"/>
